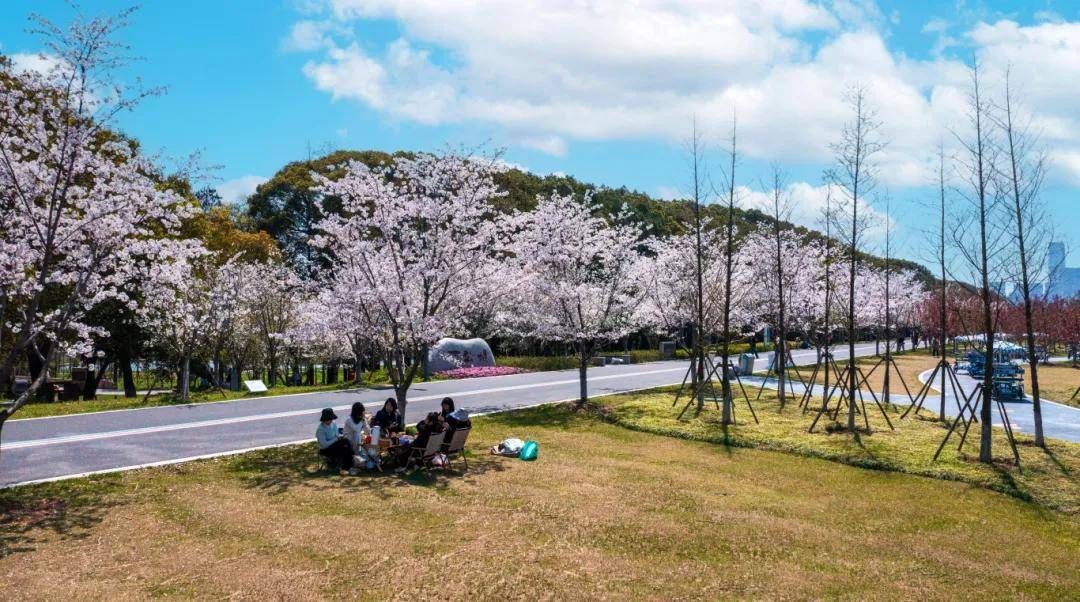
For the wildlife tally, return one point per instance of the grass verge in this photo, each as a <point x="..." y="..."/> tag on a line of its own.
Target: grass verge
<point x="117" y="402"/>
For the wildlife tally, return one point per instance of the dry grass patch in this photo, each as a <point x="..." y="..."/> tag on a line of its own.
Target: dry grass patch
<point x="1049" y="477"/>
<point x="1058" y="382"/>
<point x="605" y="512"/>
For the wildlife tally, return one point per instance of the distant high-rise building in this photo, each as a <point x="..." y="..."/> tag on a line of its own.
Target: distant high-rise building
<point x="1061" y="280"/>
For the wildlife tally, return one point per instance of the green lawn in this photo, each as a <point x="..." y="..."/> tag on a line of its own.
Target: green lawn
<point x="606" y="512"/>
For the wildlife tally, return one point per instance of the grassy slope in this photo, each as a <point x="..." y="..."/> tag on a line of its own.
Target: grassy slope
<point x="1051" y="478"/>
<point x="605" y="512"/>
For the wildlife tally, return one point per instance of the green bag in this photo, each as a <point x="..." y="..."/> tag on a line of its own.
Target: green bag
<point x="529" y="450"/>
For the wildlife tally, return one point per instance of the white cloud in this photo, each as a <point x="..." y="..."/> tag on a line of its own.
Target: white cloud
<point x="305" y="36"/>
<point x="512" y="165"/>
<point x="41" y="63"/>
<point x="806" y="205"/>
<point x="669" y="193"/>
<point x="549" y="72"/>
<point x="349" y="73"/>
<point x="238" y="189"/>
<point x="552" y="145"/>
<point x="1069" y="164"/>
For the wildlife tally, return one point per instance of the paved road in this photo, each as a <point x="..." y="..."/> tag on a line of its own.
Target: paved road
<point x="1059" y="420"/>
<point x="37" y="449"/>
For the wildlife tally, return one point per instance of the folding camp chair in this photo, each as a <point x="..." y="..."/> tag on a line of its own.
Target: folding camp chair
<point x="456" y="447"/>
<point x="423" y="456"/>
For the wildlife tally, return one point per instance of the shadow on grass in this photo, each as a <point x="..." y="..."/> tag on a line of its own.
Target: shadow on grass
<point x="276" y="471"/>
<point x="1066" y="471"/>
<point x="29" y="515"/>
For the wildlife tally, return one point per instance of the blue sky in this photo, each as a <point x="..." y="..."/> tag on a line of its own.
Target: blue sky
<point x="589" y="89"/>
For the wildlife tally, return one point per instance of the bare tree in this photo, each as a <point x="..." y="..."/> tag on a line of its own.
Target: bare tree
<point x="854" y="178"/>
<point x="978" y="237"/>
<point x="888" y="299"/>
<point x="943" y="322"/>
<point x="826" y="337"/>
<point x="729" y="251"/>
<point x="1022" y="178"/>
<point x="699" y="187"/>
<point x="781" y="210"/>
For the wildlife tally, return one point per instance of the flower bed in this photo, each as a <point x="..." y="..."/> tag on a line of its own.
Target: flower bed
<point x="479" y="371"/>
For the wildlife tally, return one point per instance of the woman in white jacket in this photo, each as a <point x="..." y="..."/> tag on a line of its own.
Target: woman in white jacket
<point x="356" y="431"/>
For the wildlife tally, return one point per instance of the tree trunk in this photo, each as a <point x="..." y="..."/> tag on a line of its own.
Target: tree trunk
<point x="5" y="381"/>
<point x="34" y="363"/>
<point x="6" y="410"/>
<point x="273" y="372"/>
<point x="185" y="378"/>
<point x="125" y="370"/>
<point x="94" y="380"/>
<point x="583" y="367"/>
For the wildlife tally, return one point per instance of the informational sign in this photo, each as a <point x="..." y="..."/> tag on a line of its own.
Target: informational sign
<point x="667" y="350"/>
<point x="255" y="386"/>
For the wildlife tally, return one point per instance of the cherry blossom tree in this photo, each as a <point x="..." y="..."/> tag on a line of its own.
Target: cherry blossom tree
<point x="180" y="307"/>
<point x="787" y="277"/>
<point x="414" y="242"/>
<point x="783" y="273"/>
<point x="323" y="334"/>
<point x="577" y="267"/>
<point x="665" y="278"/>
<point x="236" y="343"/>
<point x="80" y="209"/>
<point x="273" y="295"/>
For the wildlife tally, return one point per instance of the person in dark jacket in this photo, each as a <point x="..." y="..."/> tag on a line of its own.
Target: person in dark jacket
<point x="455" y="419"/>
<point x="388" y="419"/>
<point x="447" y="407"/>
<point x="431" y="424"/>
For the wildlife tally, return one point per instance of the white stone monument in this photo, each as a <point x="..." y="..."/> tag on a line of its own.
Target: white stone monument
<point x="448" y="354"/>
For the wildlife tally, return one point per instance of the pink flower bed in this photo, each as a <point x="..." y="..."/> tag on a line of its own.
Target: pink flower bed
<point x="479" y="371"/>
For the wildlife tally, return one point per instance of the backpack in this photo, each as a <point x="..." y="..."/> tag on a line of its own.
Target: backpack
<point x="529" y="451"/>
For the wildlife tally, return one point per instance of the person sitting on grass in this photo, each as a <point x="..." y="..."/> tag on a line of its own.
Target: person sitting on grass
<point x="334" y="447"/>
<point x="358" y="434"/>
<point x="388" y="419"/>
